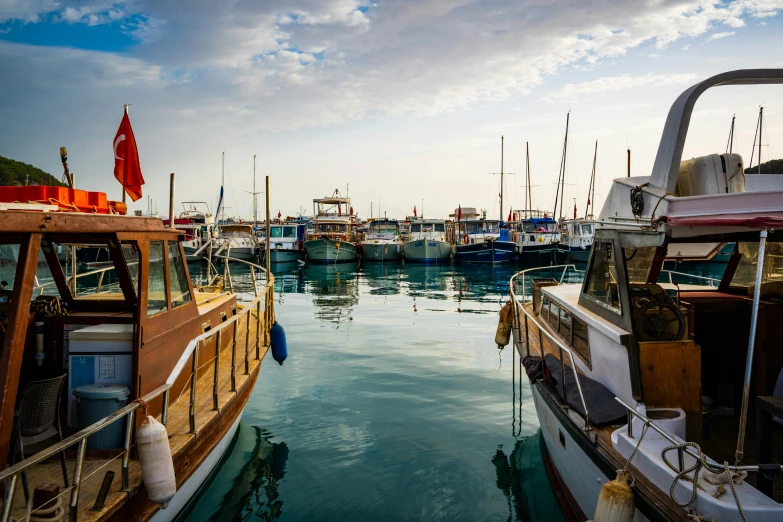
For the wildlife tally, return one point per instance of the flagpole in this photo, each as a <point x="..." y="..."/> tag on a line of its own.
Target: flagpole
<point x="124" y="170"/>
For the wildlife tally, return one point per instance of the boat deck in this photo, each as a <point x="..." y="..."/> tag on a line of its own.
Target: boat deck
<point x="97" y="463"/>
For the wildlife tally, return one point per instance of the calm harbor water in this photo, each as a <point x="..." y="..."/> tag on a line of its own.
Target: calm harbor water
<point x="394" y="404"/>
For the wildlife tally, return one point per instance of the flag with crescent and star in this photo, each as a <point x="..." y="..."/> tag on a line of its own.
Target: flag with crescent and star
<point x="127" y="169"/>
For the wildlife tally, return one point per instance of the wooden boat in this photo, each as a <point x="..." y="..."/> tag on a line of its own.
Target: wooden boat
<point x="195" y="355"/>
<point x="382" y="241"/>
<point x="332" y="239"/>
<point x="671" y="377"/>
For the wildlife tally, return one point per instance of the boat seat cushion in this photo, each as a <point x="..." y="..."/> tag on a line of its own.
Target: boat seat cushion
<point x="601" y="403"/>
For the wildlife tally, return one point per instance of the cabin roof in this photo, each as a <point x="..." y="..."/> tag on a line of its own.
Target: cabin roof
<point x="79" y="222"/>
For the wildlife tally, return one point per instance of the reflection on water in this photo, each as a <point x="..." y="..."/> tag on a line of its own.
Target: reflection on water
<point x="246" y="487"/>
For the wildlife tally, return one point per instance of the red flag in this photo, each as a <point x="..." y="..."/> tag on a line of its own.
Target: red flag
<point x="509" y="215"/>
<point x="127" y="169"/>
<point x="459" y="213"/>
<point x="414" y="211"/>
<point x="279" y="215"/>
<point x="574" y="209"/>
<point x="588" y="200"/>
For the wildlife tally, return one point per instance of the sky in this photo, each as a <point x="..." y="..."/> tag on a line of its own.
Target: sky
<point x="396" y="103"/>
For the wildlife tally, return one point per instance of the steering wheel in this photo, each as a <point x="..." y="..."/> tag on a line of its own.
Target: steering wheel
<point x="655" y="326"/>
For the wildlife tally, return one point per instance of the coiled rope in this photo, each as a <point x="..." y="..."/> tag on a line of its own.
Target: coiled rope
<point x="701" y="462"/>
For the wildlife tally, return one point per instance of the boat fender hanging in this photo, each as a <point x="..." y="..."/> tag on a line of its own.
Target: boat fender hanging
<point x="157" y="467"/>
<point x="616" y="502"/>
<point x="278" y="342"/>
<point x="503" y="334"/>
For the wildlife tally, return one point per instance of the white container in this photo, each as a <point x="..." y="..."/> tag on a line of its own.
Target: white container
<point x="713" y="174"/>
<point x="670" y="420"/>
<point x="100" y="354"/>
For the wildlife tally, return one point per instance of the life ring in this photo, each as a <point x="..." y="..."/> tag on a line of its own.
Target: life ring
<point x="466" y="239"/>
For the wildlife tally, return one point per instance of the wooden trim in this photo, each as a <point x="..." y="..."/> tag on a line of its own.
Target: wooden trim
<point x="79" y="223"/>
<point x="121" y="269"/>
<point x="56" y="269"/>
<point x="657" y="264"/>
<point x="15" y="336"/>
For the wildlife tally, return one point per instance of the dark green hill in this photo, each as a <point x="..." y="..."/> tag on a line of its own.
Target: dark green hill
<point x="16" y="173"/>
<point x="771" y="167"/>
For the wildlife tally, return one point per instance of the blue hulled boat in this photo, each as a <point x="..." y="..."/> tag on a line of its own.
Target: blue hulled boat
<point x="482" y="241"/>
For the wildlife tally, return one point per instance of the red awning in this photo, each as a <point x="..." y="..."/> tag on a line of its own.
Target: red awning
<point x="758" y="222"/>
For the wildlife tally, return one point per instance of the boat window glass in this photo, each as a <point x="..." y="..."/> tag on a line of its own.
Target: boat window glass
<point x="638" y="262"/>
<point x="415" y="228"/>
<point x="329" y="227"/>
<point x="156" y="283"/>
<point x="587" y="230"/>
<point x="544" y="306"/>
<point x="745" y="275"/>
<point x="440" y="227"/>
<point x="289" y="232"/>
<point x="178" y="276"/>
<point x="276" y="232"/>
<point x="9" y="258"/>
<point x="554" y="314"/>
<point x="564" y="328"/>
<point x="130" y="251"/>
<point x="580" y="342"/>
<point x="601" y="282"/>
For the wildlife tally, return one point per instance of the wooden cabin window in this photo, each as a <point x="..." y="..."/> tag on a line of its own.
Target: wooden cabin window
<point x="564" y="328"/>
<point x="544" y="306"/>
<point x="178" y="277"/>
<point x="554" y="314"/>
<point x="130" y="251"/>
<point x="156" y="283"/>
<point x="601" y="283"/>
<point x="580" y="341"/>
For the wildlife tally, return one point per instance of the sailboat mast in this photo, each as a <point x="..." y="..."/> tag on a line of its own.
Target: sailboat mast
<point x="561" y="174"/>
<point x="591" y="188"/>
<point x="222" y="185"/>
<point x="761" y="126"/>
<point x="255" y="195"/>
<point x="501" y="178"/>
<point x="730" y="144"/>
<point x="528" y="193"/>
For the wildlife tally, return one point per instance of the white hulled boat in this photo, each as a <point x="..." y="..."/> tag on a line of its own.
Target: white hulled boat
<point x="286" y="242"/>
<point x="665" y="362"/>
<point x="383" y="241"/>
<point x="428" y="242"/>
<point x="236" y="241"/>
<point x="331" y="240"/>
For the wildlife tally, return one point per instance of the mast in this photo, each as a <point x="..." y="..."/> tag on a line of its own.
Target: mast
<point x="501" y="178"/>
<point x="629" y="163"/>
<point x="761" y="126"/>
<point x="255" y="195"/>
<point x="730" y="144"/>
<point x="528" y="193"/>
<point x="123" y="170"/>
<point x="561" y="175"/>
<point x="223" y="184"/>
<point x="591" y="188"/>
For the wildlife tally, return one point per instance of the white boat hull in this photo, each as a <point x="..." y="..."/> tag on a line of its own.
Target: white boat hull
<point x="194" y="482"/>
<point x="283" y="256"/>
<point x="244" y="253"/>
<point x="427" y="251"/>
<point x="381" y="251"/>
<point x="329" y="251"/>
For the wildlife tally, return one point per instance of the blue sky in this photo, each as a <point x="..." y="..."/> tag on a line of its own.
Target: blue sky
<point x="400" y="100"/>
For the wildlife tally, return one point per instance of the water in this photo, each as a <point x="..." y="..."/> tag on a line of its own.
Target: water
<point x="394" y="404"/>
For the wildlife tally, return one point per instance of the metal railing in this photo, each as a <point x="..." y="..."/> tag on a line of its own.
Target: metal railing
<point x="190" y="354"/>
<point x="713" y="282"/>
<point x="541" y="332"/>
<point x="70" y="280"/>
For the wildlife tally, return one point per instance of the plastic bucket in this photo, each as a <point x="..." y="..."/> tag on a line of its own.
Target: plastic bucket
<point x="96" y="401"/>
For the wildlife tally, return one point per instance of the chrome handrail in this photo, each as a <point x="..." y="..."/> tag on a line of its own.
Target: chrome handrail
<point x="190" y="352"/>
<point x="704" y="278"/>
<point x="560" y="345"/>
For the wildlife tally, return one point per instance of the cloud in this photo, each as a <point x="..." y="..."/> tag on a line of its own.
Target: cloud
<point x="718" y="36"/>
<point x="571" y="91"/>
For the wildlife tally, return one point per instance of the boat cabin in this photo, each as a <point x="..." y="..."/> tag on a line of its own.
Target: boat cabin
<point x="383" y="229"/>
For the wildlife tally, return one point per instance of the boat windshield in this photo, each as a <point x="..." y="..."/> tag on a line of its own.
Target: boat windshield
<point x="587" y="230"/>
<point x="331" y="227"/>
<point x="546" y="226"/>
<point x="383" y="228"/>
<point x="282" y="232"/>
<point x="482" y="227"/>
<point x="772" y="276"/>
<point x="415" y="228"/>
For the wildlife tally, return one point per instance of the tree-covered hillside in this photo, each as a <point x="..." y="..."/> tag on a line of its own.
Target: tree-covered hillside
<point x="16" y="173"/>
<point x="771" y="167"/>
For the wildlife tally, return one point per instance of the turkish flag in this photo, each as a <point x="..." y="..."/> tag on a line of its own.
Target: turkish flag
<point x="126" y="160"/>
<point x="459" y="213"/>
<point x="414" y="210"/>
<point x="509" y="215"/>
<point x="279" y="215"/>
<point x="574" y="209"/>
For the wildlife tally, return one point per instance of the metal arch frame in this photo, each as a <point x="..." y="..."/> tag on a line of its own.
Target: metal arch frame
<point x="667" y="160"/>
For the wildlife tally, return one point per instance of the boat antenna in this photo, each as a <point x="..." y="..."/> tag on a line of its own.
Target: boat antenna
<point x="255" y="195"/>
<point x="591" y="188"/>
<point x="561" y="175"/>
<point x="67" y="176"/>
<point x="730" y="144"/>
